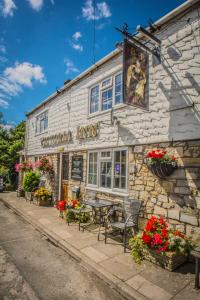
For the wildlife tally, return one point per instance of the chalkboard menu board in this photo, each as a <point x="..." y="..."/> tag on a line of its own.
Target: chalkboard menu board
<point x="77" y="167"/>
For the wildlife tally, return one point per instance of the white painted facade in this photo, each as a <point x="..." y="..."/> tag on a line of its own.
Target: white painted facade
<point x="173" y="85"/>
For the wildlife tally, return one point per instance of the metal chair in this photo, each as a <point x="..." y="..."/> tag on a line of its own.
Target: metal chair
<point x="80" y="211"/>
<point x="129" y="221"/>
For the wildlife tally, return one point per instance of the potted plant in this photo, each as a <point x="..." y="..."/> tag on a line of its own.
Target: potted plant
<point x="161" y="162"/>
<point x="160" y="245"/>
<point x="30" y="183"/>
<point x="43" y="196"/>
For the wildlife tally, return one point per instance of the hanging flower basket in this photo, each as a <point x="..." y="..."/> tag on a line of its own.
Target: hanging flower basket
<point x="160" y="162"/>
<point x="162" y="170"/>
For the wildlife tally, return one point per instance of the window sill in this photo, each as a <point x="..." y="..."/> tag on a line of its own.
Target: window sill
<point x="108" y="191"/>
<point x="37" y="134"/>
<point x="99" y="113"/>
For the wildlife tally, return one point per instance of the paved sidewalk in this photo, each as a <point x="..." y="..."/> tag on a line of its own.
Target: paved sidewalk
<point x="145" y="281"/>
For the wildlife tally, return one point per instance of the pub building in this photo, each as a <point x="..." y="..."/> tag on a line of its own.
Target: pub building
<point x="97" y="128"/>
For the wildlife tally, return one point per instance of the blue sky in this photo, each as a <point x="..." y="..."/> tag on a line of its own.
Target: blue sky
<point x="44" y="42"/>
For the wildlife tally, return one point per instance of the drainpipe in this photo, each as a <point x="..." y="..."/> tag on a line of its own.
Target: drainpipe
<point x="60" y="176"/>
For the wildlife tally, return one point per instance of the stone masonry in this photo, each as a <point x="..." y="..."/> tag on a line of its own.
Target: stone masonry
<point x="176" y="197"/>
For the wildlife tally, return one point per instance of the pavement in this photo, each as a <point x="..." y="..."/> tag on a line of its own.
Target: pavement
<point x="12" y="283"/>
<point x="108" y="262"/>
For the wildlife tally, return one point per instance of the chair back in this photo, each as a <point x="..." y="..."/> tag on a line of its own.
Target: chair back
<point x="135" y="210"/>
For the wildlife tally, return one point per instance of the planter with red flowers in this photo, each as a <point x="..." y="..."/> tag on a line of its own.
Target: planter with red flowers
<point x="160" y="245"/>
<point x="161" y="162"/>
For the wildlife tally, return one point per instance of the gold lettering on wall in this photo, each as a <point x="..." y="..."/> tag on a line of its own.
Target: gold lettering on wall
<point x="56" y="139"/>
<point x="88" y="131"/>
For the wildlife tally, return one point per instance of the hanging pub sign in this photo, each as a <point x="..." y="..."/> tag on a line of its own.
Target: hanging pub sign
<point x="77" y="167"/>
<point x="135" y="75"/>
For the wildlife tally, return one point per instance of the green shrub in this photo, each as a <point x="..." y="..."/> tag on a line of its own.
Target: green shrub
<point x="31" y="181"/>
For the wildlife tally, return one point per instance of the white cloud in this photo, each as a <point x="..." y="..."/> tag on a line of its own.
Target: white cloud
<point x="24" y="74"/>
<point x="77" y="35"/>
<point x="8" y="7"/>
<point x="15" y="78"/>
<point x="3" y="60"/>
<point x="77" y="47"/>
<point x="2" y="48"/>
<point x="36" y="4"/>
<point x="101" y="11"/>
<point x="70" y="67"/>
<point x="4" y="104"/>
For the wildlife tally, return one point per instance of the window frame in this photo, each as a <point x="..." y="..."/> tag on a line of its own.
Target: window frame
<point x="39" y="120"/>
<point x="90" y="94"/>
<point x="103" y="89"/>
<point x="107" y="159"/>
<point x="90" y="184"/>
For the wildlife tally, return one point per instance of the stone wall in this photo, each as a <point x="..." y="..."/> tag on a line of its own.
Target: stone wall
<point x="178" y="196"/>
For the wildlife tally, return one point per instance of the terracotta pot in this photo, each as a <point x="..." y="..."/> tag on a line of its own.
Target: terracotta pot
<point x="162" y="170"/>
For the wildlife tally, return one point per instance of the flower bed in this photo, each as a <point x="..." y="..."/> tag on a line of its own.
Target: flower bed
<point x="158" y="244"/>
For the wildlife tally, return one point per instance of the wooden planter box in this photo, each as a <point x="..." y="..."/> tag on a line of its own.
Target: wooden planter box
<point x="169" y="260"/>
<point x="162" y="170"/>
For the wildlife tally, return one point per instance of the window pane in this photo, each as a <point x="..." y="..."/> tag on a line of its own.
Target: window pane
<point x="94" y="99"/>
<point x="92" y="172"/>
<point x="118" y="89"/>
<point x="105" y="176"/>
<point x="107" y="99"/>
<point x="120" y="169"/>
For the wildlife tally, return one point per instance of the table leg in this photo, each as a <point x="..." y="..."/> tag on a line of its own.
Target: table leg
<point x="196" y="273"/>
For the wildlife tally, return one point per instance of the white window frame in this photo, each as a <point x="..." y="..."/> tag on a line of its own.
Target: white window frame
<point x="99" y="159"/>
<point x="89" y="184"/>
<point x="36" y="122"/>
<point x="108" y="85"/>
<point x="114" y="103"/>
<point x="90" y="90"/>
<point x="103" y="89"/>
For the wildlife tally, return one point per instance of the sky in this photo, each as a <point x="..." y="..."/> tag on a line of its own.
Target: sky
<point x="45" y="42"/>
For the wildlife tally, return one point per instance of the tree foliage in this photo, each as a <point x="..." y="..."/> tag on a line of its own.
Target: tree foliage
<point x="11" y="142"/>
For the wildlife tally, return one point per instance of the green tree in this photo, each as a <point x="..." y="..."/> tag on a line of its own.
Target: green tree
<point x="11" y="142"/>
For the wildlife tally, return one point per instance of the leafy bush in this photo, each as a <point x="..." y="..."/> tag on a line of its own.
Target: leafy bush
<point x="31" y="181"/>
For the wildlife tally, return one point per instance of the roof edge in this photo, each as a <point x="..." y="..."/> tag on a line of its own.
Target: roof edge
<point x="163" y="20"/>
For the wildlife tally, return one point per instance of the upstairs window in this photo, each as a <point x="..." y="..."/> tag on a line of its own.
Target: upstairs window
<point x="42" y="122"/>
<point x="106" y="94"/>
<point x="118" y="89"/>
<point x="107" y="97"/>
<point x="94" y="99"/>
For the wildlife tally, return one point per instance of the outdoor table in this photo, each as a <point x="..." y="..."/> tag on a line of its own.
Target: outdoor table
<point x="98" y="207"/>
<point x="196" y="254"/>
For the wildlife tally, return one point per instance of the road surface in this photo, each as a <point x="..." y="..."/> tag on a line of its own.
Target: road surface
<point x="33" y="268"/>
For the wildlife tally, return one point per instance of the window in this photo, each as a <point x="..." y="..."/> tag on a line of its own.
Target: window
<point x="110" y="90"/>
<point x="94" y="100"/>
<point x="107" y="99"/>
<point x="106" y="83"/>
<point x="42" y="122"/>
<point x="92" y="173"/>
<point x="120" y="169"/>
<point x="105" y="169"/>
<point x="111" y="167"/>
<point x="118" y="88"/>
